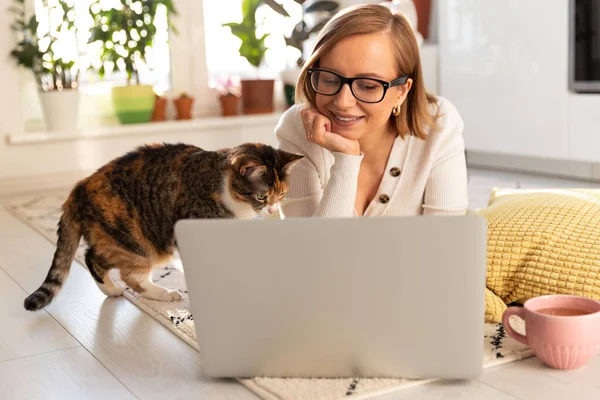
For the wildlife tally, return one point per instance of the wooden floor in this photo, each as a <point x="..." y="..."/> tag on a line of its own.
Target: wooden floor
<point x="90" y="347"/>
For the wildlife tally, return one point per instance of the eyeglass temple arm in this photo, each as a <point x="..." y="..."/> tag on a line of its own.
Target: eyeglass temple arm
<point x="400" y="81"/>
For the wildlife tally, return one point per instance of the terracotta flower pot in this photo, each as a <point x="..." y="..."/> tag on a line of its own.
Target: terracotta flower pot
<point x="160" y="106"/>
<point x="423" y="16"/>
<point x="229" y="105"/>
<point x="257" y="96"/>
<point x="184" y="107"/>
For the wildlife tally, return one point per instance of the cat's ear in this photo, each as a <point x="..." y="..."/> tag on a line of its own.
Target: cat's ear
<point x="252" y="170"/>
<point x="289" y="159"/>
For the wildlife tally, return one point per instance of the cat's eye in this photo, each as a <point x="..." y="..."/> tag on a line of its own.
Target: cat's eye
<point x="282" y="194"/>
<point x="261" y="197"/>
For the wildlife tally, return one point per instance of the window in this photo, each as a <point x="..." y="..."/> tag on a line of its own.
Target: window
<point x="190" y="68"/>
<point x="156" y="73"/>
<point x="95" y="106"/>
<point x="222" y="46"/>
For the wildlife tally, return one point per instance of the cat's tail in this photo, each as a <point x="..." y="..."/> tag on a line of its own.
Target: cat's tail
<point x="69" y="234"/>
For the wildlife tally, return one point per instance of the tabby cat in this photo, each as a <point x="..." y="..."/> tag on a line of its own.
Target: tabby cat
<point x="126" y="211"/>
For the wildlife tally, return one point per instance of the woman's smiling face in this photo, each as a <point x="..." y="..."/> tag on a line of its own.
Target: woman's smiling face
<point x="372" y="56"/>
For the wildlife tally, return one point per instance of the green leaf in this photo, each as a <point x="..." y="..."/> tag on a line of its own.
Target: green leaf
<point x="65" y="7"/>
<point x="249" y="8"/>
<point x="170" y="7"/>
<point x="32" y="24"/>
<point x="322" y="5"/>
<point x="261" y="40"/>
<point x="278" y="8"/>
<point x="252" y="48"/>
<point x="240" y="31"/>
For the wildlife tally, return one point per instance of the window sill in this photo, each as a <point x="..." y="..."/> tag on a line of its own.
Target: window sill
<point x="199" y="125"/>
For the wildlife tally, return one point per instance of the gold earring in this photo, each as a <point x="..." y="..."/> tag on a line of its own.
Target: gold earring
<point x="396" y="110"/>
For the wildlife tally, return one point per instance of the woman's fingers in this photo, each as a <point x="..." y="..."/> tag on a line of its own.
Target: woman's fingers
<point x="320" y="127"/>
<point x="318" y="131"/>
<point x="315" y="125"/>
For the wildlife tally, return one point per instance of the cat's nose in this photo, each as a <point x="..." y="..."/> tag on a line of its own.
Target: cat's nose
<point x="273" y="209"/>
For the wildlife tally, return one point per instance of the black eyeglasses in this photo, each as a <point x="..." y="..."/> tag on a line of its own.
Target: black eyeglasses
<point x="367" y="90"/>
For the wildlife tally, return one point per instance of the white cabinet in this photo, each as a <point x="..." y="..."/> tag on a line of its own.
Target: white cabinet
<point x="430" y="67"/>
<point x="584" y="127"/>
<point x="504" y="65"/>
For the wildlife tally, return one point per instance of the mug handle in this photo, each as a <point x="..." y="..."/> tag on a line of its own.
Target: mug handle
<point x="519" y="312"/>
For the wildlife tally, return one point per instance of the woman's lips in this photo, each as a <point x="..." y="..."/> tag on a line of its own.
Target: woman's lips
<point x="346" y="120"/>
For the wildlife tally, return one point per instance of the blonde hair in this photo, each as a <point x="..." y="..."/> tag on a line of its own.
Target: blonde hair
<point x="416" y="112"/>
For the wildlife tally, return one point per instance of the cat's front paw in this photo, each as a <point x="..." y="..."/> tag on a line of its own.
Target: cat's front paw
<point x="118" y="290"/>
<point x="173" y="295"/>
<point x="114" y="290"/>
<point x="164" y="295"/>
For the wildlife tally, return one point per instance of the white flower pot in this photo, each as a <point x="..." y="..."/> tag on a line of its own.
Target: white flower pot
<point x="290" y="75"/>
<point x="61" y="110"/>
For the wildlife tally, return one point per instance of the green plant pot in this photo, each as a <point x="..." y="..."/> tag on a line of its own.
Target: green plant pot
<point x="289" y="77"/>
<point x="289" y="91"/>
<point x="133" y="104"/>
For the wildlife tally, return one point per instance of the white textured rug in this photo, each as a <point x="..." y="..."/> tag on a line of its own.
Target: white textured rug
<point x="42" y="211"/>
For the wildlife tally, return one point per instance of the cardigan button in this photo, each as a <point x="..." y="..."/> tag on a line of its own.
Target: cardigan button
<point x="384" y="198"/>
<point x="395" y="171"/>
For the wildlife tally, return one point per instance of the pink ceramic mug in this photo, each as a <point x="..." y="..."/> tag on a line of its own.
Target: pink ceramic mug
<point x="563" y="331"/>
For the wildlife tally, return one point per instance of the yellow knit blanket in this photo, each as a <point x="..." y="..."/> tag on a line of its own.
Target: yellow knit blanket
<point x="541" y="242"/>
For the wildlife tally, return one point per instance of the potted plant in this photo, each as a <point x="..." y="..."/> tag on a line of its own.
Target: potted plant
<point x="54" y="67"/>
<point x="159" y="112"/>
<point x="183" y="105"/>
<point x="229" y="97"/>
<point x="257" y="94"/>
<point x="315" y="15"/>
<point x="413" y="11"/>
<point x="124" y="35"/>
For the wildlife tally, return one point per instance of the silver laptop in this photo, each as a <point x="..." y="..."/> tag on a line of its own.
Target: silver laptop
<point x="357" y="297"/>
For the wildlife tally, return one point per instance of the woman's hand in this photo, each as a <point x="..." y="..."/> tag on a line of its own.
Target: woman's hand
<point x="318" y="131"/>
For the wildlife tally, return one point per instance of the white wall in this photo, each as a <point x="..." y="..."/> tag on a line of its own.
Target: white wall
<point x="504" y="65"/>
<point x="10" y="98"/>
<point x="508" y="77"/>
<point x="584" y="126"/>
<point x="30" y="161"/>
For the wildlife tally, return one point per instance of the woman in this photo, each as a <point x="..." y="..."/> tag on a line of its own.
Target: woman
<point x="376" y="143"/>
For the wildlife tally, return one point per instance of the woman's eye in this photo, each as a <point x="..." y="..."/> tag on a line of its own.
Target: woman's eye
<point x="261" y="197"/>
<point x="367" y="87"/>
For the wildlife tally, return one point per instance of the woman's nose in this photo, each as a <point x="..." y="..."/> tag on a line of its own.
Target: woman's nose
<point x="344" y="98"/>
